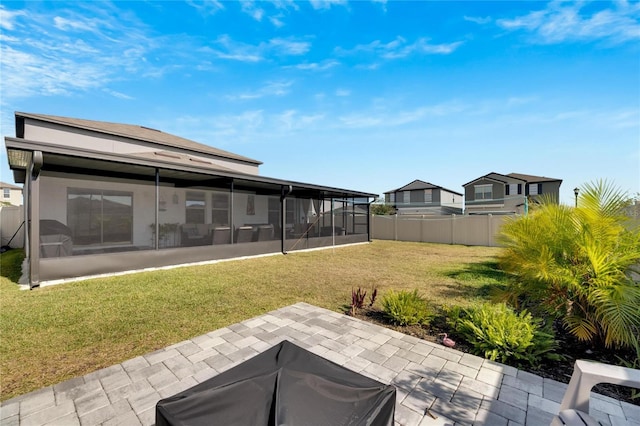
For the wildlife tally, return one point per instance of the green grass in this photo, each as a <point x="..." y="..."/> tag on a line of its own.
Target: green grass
<point x="55" y="333"/>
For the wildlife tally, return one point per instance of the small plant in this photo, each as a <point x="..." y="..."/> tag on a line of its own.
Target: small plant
<point x="406" y="308"/>
<point x="372" y="297"/>
<point x="357" y="300"/>
<point x="500" y="334"/>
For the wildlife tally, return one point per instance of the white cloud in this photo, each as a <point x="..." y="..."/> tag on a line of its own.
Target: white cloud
<point x="387" y="118"/>
<point x="343" y="92"/>
<point x="278" y="88"/>
<point x="326" y="4"/>
<point x="477" y="19"/>
<point x="206" y="7"/>
<point x="249" y="7"/>
<point x="400" y="48"/>
<point x="573" y="21"/>
<point x="77" y="54"/>
<point x="289" y="47"/>
<point x="244" y="52"/>
<point x="317" y="66"/>
<point x="118" y="95"/>
<point x="7" y="18"/>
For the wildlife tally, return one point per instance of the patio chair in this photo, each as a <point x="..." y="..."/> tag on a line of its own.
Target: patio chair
<point x="244" y="234"/>
<point x="221" y="235"/>
<point x="265" y="232"/>
<point x="574" y="409"/>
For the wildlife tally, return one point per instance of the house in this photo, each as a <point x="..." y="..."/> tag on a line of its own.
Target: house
<point x="424" y="198"/>
<point x="495" y="193"/>
<point x="11" y="194"/>
<point x="98" y="192"/>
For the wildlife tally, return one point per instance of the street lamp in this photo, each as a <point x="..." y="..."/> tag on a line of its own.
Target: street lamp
<point x="575" y="191"/>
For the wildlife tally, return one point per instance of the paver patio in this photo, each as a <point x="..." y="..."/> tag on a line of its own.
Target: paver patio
<point x="431" y="380"/>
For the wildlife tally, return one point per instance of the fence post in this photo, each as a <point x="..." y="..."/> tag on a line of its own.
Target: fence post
<point x="422" y="238"/>
<point x="453" y="225"/>
<point x="490" y="234"/>
<point x="395" y="227"/>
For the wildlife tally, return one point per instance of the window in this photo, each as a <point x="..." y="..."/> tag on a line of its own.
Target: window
<point x="220" y="208"/>
<point x="406" y="197"/>
<point x="513" y="189"/>
<point x="483" y="192"/>
<point x="392" y="198"/>
<point x="428" y="197"/>
<point x="6" y="192"/>
<point x="100" y="217"/>
<point x="535" y="188"/>
<point x="195" y="207"/>
<point x="274" y="212"/>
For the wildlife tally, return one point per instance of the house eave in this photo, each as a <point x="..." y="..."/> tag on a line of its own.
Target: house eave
<point x="87" y="154"/>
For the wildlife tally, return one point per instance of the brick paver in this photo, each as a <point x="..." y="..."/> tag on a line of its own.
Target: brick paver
<point x="435" y="385"/>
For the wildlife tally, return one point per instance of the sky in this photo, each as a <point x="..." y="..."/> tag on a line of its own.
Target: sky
<point x="360" y="95"/>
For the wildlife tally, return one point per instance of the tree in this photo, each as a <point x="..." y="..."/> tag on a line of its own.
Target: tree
<point x="382" y="209"/>
<point x="580" y="265"/>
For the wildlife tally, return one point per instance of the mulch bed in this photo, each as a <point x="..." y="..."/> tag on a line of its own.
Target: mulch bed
<point x="560" y="371"/>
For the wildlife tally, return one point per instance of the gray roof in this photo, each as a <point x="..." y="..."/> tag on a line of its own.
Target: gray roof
<point x="532" y="178"/>
<point x="8" y="185"/>
<point x="420" y="184"/>
<point x="131" y="131"/>
<point x="511" y="176"/>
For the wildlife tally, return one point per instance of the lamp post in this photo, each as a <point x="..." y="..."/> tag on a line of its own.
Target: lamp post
<point x="576" y="191"/>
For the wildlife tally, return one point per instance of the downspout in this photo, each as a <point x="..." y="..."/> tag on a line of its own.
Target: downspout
<point x="284" y="192"/>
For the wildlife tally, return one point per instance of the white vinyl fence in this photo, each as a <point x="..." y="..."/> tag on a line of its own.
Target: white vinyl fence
<point x="11" y="218"/>
<point x="473" y="230"/>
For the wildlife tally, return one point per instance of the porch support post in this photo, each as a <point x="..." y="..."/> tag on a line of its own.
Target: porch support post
<point x="284" y="191"/>
<point x="231" y="224"/>
<point x="34" y="218"/>
<point x="156" y="238"/>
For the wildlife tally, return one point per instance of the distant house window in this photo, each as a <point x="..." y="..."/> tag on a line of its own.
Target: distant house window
<point x="195" y="207"/>
<point x="392" y="198"/>
<point x="6" y="192"/>
<point x="483" y="192"/>
<point x="514" y="189"/>
<point x="406" y="195"/>
<point x="428" y="197"/>
<point x="534" y="189"/>
<point x="98" y="217"/>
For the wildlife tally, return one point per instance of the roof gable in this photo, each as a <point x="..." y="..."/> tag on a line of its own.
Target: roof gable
<point x="130" y="131"/>
<point x="418" y="185"/>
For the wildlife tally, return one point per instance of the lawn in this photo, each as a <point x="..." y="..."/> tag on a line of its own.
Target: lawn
<point x="55" y="333"/>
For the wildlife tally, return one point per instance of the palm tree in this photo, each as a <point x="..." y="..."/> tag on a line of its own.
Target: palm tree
<point x="580" y="264"/>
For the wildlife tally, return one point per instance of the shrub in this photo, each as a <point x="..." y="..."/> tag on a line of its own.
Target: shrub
<point x="406" y="308"/>
<point x="578" y="264"/>
<point x="498" y="333"/>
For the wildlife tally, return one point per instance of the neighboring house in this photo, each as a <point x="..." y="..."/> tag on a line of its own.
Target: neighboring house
<point x="496" y="193"/>
<point x="11" y="194"/>
<point x="424" y="198"/>
<point x="97" y="192"/>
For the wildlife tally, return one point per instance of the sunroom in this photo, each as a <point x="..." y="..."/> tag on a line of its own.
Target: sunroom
<point x="97" y="212"/>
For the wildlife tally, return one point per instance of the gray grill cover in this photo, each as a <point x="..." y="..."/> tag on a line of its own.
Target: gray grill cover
<point x="285" y="385"/>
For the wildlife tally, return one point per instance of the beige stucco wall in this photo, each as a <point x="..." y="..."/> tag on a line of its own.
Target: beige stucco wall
<point x="15" y="197"/>
<point x="80" y="138"/>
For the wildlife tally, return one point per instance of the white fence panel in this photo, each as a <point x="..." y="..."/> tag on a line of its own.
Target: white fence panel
<point x="476" y="230"/>
<point x="11" y="218"/>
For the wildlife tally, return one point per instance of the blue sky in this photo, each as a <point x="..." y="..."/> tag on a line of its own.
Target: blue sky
<point x="359" y="95"/>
